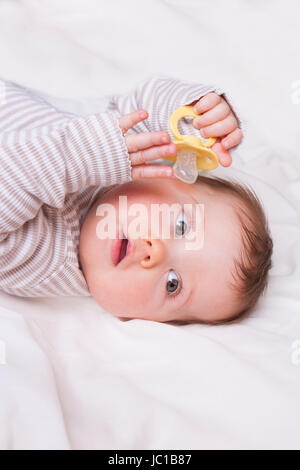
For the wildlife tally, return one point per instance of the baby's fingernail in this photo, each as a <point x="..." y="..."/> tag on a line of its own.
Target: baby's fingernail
<point x="143" y="114"/>
<point x="171" y="150"/>
<point x="225" y="161"/>
<point x="196" y="124"/>
<point x="168" y="172"/>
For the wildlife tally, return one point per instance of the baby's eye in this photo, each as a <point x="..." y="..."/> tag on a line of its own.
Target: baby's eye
<point x="173" y="282"/>
<point x="181" y="225"/>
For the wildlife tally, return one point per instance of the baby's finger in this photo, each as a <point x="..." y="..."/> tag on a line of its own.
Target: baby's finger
<point x="151" y="171"/>
<point x="145" y="140"/>
<point x="221" y="128"/>
<point x="130" y="120"/>
<point x="207" y="102"/>
<point x="152" y="153"/>
<point x="223" y="155"/>
<point x="218" y="113"/>
<point x="232" y="139"/>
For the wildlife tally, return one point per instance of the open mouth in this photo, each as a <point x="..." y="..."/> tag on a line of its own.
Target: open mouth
<point x="119" y="250"/>
<point x="123" y="250"/>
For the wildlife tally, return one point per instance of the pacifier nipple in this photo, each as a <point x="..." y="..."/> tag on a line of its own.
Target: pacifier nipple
<point x="185" y="167"/>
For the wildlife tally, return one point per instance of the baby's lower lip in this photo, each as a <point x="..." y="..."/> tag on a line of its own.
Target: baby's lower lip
<point x="115" y="250"/>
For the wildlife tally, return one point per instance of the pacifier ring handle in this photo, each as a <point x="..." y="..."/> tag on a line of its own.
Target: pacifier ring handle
<point x="186" y="111"/>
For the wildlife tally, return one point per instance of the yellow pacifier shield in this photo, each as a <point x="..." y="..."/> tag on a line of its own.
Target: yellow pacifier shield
<point x="206" y="159"/>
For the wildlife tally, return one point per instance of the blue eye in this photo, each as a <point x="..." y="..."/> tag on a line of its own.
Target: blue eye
<point x="181" y="225"/>
<point x="173" y="283"/>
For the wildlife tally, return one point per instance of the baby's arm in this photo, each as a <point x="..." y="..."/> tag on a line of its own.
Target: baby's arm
<point x="44" y="156"/>
<point x="160" y="96"/>
<point x="41" y="165"/>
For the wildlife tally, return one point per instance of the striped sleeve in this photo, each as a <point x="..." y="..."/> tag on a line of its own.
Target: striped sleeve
<point x="160" y="96"/>
<point x="41" y="165"/>
<point x="45" y="156"/>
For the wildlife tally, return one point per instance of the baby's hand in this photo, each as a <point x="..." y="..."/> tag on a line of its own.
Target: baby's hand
<point x="218" y="120"/>
<point x="145" y="147"/>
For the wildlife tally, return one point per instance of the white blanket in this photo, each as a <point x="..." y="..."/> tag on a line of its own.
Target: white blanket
<point x="72" y="376"/>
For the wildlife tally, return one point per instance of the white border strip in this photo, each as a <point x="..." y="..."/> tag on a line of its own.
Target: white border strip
<point x="2" y="93"/>
<point x="2" y="353"/>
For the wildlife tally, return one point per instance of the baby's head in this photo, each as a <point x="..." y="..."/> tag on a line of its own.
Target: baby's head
<point x="158" y="278"/>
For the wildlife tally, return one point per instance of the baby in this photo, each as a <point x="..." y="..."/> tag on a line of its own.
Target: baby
<point x="57" y="170"/>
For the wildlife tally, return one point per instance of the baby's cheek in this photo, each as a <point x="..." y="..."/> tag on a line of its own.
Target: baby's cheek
<point x="122" y="293"/>
<point x="134" y="290"/>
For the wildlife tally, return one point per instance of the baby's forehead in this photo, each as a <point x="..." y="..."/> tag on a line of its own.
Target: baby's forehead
<point x="222" y="225"/>
<point x="208" y="191"/>
<point x="216" y="202"/>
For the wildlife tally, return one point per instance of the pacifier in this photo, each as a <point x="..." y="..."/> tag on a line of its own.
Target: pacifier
<point x="193" y="153"/>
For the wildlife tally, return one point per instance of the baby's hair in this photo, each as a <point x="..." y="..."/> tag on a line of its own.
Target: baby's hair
<point x="251" y="270"/>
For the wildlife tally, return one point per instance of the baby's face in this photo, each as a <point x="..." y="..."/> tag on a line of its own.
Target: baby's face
<point x="160" y="279"/>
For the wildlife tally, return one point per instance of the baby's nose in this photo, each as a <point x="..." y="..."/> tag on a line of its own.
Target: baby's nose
<point x="152" y="252"/>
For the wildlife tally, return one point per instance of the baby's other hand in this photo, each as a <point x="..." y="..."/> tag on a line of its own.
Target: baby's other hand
<point x="218" y="120"/>
<point x="146" y="147"/>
